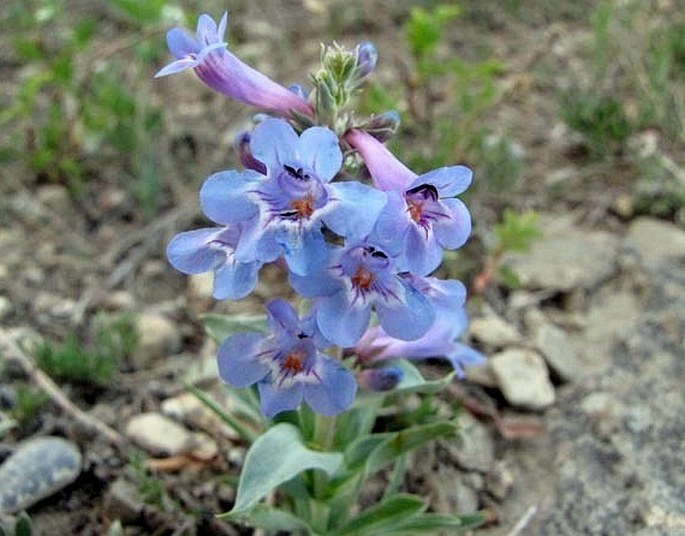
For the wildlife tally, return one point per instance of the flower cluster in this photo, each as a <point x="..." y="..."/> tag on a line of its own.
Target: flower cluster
<point x="362" y="254"/>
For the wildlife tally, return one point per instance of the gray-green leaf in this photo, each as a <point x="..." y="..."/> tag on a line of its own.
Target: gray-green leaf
<point x="383" y="518"/>
<point x="274" y="458"/>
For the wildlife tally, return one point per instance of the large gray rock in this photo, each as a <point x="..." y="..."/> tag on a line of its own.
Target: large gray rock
<point x="566" y="258"/>
<point x="655" y="240"/>
<point x="612" y="460"/>
<point x="38" y="469"/>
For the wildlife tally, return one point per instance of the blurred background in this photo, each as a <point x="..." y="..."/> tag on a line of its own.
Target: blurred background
<point x="570" y="112"/>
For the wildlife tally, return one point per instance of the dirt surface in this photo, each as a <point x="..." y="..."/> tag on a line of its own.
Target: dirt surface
<point x="603" y="458"/>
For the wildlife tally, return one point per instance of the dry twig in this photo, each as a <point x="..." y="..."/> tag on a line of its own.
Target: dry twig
<point x="14" y="351"/>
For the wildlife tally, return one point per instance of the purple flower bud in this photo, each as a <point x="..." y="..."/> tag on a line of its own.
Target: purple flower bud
<point x="298" y="90"/>
<point x="380" y="379"/>
<point x="367" y="56"/>
<point x="382" y="126"/>
<point x="207" y="54"/>
<point x="242" y="148"/>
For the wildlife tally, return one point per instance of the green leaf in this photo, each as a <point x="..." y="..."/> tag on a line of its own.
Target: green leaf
<point x="243" y="431"/>
<point x="269" y="518"/>
<point x="23" y="526"/>
<point x="274" y="458"/>
<point x="432" y="523"/>
<point x="413" y="382"/>
<point x="517" y="231"/>
<point x="219" y="327"/>
<point x="383" y="518"/>
<point x="378" y="450"/>
<point x="142" y="13"/>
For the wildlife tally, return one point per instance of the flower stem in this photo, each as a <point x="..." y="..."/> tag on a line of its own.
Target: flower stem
<point x="324" y="432"/>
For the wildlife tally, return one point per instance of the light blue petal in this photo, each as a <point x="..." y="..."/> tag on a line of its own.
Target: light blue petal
<point x="447" y="293"/>
<point x="177" y="67"/>
<point x="236" y="280"/>
<point x="274" y="143"/>
<point x="453" y="233"/>
<point x="189" y="253"/>
<point x="336" y="391"/>
<point x="257" y="244"/>
<point x="221" y="30"/>
<point x="423" y="254"/>
<point x="392" y="225"/>
<point x="464" y="356"/>
<point x="206" y="30"/>
<point x="354" y="209"/>
<point x="223" y="196"/>
<point x="305" y="253"/>
<point x="275" y="400"/>
<point x="406" y="321"/>
<point x="449" y="181"/>
<point x="238" y="365"/>
<point x="339" y="321"/>
<point x="181" y="43"/>
<point x="317" y="283"/>
<point x="208" y="50"/>
<point x="282" y="316"/>
<point x="319" y="150"/>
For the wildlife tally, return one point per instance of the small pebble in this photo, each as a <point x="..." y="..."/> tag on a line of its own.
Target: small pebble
<point x="159" y="435"/>
<point x="39" y="468"/>
<point x="494" y="331"/>
<point x="523" y="378"/>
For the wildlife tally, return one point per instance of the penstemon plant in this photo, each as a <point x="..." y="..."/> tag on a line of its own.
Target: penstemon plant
<point x="314" y="377"/>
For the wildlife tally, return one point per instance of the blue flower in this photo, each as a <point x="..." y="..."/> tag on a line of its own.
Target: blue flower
<point x="207" y="54"/>
<point x="447" y="298"/>
<point x="358" y="279"/>
<point x="423" y="208"/>
<point x="213" y="249"/>
<point x="287" y="365"/>
<point x="288" y="206"/>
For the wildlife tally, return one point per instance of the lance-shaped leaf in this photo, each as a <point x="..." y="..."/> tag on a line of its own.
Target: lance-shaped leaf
<point x="383" y="518"/>
<point x="220" y="327"/>
<point x="274" y="458"/>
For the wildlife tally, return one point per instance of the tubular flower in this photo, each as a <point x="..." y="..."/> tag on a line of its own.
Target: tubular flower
<point x="287" y="207"/>
<point x="207" y="54"/>
<point x="213" y="249"/>
<point x="423" y="208"/>
<point x="287" y="365"/>
<point x="447" y="298"/>
<point x="241" y="143"/>
<point x="357" y="279"/>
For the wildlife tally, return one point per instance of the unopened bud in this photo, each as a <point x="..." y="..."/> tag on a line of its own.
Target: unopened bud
<point x="380" y="379"/>
<point x="367" y="56"/>
<point x="383" y="126"/>
<point x="298" y="90"/>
